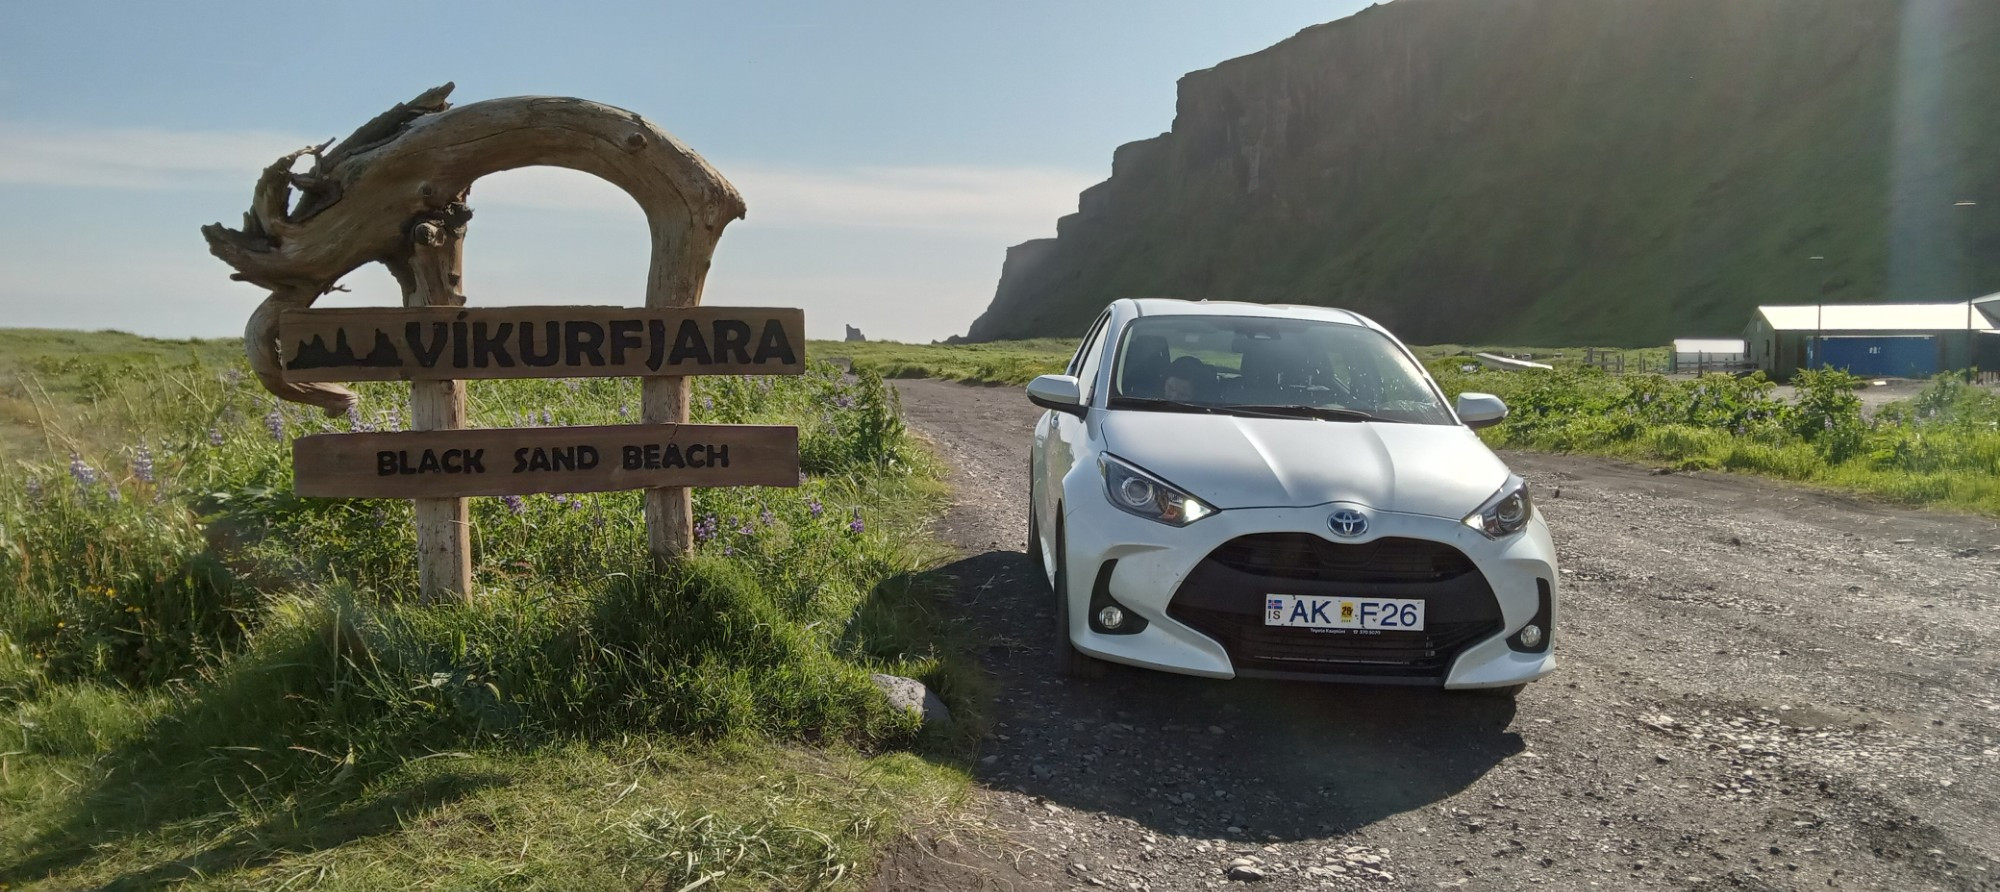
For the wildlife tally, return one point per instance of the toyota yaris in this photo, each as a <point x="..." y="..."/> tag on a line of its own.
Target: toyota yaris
<point x="1227" y="489"/>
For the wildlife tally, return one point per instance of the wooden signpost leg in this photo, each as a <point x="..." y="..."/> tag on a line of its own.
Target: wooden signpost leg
<point x="669" y="510"/>
<point x="444" y="526"/>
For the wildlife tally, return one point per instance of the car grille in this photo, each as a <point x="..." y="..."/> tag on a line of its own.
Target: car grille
<point x="1305" y="556"/>
<point x="1223" y="598"/>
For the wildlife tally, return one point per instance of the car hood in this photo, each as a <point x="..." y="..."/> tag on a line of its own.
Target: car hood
<point x="1231" y="461"/>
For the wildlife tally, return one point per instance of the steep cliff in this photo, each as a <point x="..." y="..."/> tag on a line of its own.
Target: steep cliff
<point x="1555" y="171"/>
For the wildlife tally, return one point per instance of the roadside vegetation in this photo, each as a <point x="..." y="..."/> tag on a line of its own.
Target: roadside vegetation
<point x="1002" y="362"/>
<point x="205" y="679"/>
<point x="1940" y="448"/>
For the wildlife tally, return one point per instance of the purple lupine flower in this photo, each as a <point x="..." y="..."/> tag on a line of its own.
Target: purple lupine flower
<point x="728" y="550"/>
<point x="704" y="529"/>
<point x="111" y="489"/>
<point x="514" y="504"/>
<point x="855" y="525"/>
<point x="548" y="420"/>
<point x="745" y="529"/>
<point x="393" y="420"/>
<point x="767" y="518"/>
<point x="215" y="437"/>
<point x="576" y="503"/>
<point x="85" y="476"/>
<point x="815" y="507"/>
<point x="802" y="478"/>
<point x="708" y="403"/>
<point x="34" y="489"/>
<point x="142" y="465"/>
<point x="624" y="411"/>
<point x="561" y="499"/>
<point x="275" y="423"/>
<point x="843" y="401"/>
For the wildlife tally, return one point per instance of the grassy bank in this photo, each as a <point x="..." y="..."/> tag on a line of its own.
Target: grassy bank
<point x="1003" y="362"/>
<point x="1941" y="448"/>
<point x="206" y="679"/>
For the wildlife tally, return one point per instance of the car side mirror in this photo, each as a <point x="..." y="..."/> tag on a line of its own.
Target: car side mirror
<point x="1479" y="410"/>
<point x="1061" y="393"/>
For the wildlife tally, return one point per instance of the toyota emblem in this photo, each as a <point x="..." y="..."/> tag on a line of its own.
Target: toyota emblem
<point x="1348" y="523"/>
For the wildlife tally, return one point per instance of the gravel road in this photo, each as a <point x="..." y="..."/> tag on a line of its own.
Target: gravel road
<point x="1761" y="687"/>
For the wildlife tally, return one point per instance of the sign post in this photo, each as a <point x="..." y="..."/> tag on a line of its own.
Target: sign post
<point x="394" y="192"/>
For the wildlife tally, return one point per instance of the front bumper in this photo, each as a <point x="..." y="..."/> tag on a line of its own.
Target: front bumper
<point x="1199" y="612"/>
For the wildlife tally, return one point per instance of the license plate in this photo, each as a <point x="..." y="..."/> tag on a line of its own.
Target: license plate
<point x="1307" y="611"/>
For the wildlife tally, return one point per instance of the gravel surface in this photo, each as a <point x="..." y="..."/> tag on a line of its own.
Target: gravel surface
<point x="1761" y="687"/>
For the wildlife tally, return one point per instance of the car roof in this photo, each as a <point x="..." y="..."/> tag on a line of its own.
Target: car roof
<point x="1162" y="306"/>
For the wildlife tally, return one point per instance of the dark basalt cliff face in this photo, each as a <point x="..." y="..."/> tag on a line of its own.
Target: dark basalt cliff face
<point x="1555" y="171"/>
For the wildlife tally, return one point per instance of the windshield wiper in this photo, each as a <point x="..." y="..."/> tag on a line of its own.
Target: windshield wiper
<point x="1155" y="403"/>
<point x="1297" y="411"/>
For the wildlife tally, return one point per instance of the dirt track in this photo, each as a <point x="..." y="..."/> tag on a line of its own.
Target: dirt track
<point x="1761" y="687"/>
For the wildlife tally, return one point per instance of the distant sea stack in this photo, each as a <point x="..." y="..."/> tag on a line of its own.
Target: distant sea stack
<point x="1555" y="172"/>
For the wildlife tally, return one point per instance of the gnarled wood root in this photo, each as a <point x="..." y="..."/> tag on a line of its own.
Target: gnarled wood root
<point x="365" y="197"/>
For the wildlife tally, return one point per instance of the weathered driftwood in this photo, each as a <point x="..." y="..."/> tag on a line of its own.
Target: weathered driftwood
<point x="394" y="192"/>
<point x="364" y="197"/>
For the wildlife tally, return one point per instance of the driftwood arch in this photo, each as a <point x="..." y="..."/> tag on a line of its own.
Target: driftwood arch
<point x="394" y="192"/>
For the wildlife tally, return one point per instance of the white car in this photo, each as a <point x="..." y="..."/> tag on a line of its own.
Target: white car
<point x="1230" y="489"/>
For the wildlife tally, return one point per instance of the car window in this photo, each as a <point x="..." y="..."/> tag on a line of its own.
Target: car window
<point x="1091" y="359"/>
<point x="1083" y="349"/>
<point x="1237" y="361"/>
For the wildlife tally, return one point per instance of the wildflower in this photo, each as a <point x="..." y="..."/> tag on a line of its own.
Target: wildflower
<point x="562" y="500"/>
<point x="548" y="420"/>
<point x="815" y="507"/>
<point x="275" y="423"/>
<point x="215" y="437"/>
<point x="142" y="465"/>
<point x="728" y="549"/>
<point x="802" y="478"/>
<point x="767" y="518"/>
<point x="393" y="420"/>
<point x="708" y="403"/>
<point x="573" y="384"/>
<point x="111" y="490"/>
<point x="34" y="490"/>
<point x="515" y="505"/>
<point x="576" y="503"/>
<point x="704" y="529"/>
<point x="855" y="525"/>
<point x="745" y="529"/>
<point x="85" y="476"/>
<point x="624" y="411"/>
<point x="844" y="401"/>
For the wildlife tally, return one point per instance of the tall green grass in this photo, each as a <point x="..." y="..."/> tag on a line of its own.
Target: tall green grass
<point x="1940" y="448"/>
<point x="1000" y="362"/>
<point x="195" y="650"/>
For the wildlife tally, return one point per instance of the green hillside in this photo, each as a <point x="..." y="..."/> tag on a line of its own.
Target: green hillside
<point x="1555" y="171"/>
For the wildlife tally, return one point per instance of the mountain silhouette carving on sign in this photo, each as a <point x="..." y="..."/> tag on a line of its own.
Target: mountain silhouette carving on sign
<point x="313" y="354"/>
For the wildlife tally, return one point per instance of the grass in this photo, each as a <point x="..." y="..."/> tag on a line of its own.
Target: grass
<point x="1003" y="362"/>
<point x="1941" y="448"/>
<point x="206" y="680"/>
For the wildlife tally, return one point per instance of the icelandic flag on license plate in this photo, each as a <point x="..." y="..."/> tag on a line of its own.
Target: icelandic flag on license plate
<point x="1274" y="609"/>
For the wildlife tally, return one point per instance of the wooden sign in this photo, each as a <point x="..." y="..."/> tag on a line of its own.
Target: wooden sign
<point x="518" y="461"/>
<point x="444" y="343"/>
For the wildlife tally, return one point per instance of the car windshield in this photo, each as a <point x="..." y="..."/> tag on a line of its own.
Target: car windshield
<point x="1273" y="367"/>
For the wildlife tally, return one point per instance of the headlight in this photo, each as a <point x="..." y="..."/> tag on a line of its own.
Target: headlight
<point x="1506" y="512"/>
<point x="1138" y="492"/>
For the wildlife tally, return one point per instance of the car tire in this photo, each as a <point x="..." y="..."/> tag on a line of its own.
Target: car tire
<point x="1070" y="662"/>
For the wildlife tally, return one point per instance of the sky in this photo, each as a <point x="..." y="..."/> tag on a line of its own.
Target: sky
<point x="889" y="152"/>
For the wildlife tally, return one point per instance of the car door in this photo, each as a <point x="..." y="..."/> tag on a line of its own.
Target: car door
<point x="1067" y="439"/>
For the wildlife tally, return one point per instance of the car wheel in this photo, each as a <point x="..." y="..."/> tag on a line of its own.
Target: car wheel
<point x="1070" y="662"/>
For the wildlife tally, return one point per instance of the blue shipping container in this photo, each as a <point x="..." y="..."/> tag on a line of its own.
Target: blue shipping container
<point x="1889" y="357"/>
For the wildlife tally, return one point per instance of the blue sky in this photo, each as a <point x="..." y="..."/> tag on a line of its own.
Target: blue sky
<point x="889" y="152"/>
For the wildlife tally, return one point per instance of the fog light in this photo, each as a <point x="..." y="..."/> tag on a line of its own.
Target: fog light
<point x="1112" y="618"/>
<point x="1531" y="636"/>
